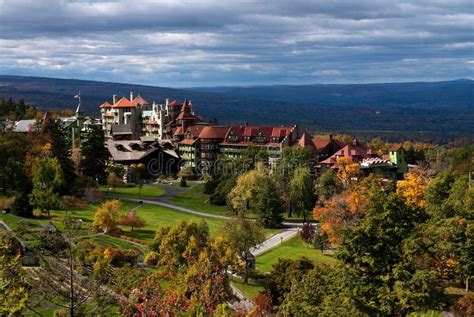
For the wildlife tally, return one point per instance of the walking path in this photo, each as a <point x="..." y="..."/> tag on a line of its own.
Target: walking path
<point x="274" y="241"/>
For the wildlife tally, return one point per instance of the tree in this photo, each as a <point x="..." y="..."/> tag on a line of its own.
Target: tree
<point x="47" y="181"/>
<point x="132" y="219"/>
<point x="413" y="188"/>
<point x="302" y="191"/>
<point x="13" y="286"/>
<point x="328" y="185"/>
<point x="347" y="169"/>
<point x="94" y="155"/>
<point x="324" y="291"/>
<point x="243" y="235"/>
<point x="307" y="232"/>
<point x="284" y="274"/>
<point x="107" y="215"/>
<point x="375" y="250"/>
<point x="256" y="191"/>
<point x="195" y="264"/>
<point x="61" y="150"/>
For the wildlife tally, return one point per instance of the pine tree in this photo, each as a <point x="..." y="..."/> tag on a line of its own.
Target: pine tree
<point x="94" y="155"/>
<point x="61" y="150"/>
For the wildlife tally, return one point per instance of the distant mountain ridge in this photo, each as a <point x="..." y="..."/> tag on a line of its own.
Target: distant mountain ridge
<point x="453" y="94"/>
<point x="437" y="121"/>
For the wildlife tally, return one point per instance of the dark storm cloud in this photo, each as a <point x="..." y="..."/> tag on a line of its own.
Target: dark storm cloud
<point x="183" y="43"/>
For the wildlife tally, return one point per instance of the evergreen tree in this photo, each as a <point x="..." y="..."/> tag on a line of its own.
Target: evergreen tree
<point x="61" y="150"/>
<point x="94" y="155"/>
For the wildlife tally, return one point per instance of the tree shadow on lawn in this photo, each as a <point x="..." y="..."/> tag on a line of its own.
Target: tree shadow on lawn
<point x="142" y="234"/>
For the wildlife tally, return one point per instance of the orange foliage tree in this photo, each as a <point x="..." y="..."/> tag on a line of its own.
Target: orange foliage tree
<point x="345" y="209"/>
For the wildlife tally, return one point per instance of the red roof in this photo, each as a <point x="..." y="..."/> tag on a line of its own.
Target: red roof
<point x="280" y="132"/>
<point x="306" y="141"/>
<point x="395" y="147"/>
<point x="140" y="100"/>
<point x="124" y="102"/>
<point x="196" y="129"/>
<point x="152" y="122"/>
<point x="179" y="131"/>
<point x="353" y="152"/>
<point x="214" y="132"/>
<point x="188" y="141"/>
<point x="105" y="105"/>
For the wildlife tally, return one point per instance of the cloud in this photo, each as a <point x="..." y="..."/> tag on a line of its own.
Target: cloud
<point x="194" y="43"/>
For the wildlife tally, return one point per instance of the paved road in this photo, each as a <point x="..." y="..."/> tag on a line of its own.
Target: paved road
<point x="242" y="304"/>
<point x="275" y="240"/>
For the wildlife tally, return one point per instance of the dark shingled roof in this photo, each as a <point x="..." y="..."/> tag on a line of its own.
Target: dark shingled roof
<point x="121" y="129"/>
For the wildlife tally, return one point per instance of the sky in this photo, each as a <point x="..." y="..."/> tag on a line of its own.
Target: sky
<point x="222" y="43"/>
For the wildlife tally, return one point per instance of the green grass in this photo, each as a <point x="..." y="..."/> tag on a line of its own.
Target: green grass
<point x="155" y="216"/>
<point x="12" y="220"/>
<point x="44" y="311"/>
<point x="250" y="290"/>
<point x="291" y="249"/>
<point x="197" y="201"/>
<point x="146" y="192"/>
<point x="114" y="242"/>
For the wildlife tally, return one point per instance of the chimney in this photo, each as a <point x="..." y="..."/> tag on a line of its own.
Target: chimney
<point x="167" y="101"/>
<point x="331" y="137"/>
<point x="131" y="96"/>
<point x="114" y="99"/>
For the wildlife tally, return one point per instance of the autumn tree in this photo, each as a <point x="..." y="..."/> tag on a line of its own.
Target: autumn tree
<point x="47" y="181"/>
<point x="196" y="265"/>
<point x="132" y="220"/>
<point x="243" y="235"/>
<point x="302" y="191"/>
<point x="413" y="188"/>
<point x="14" y="289"/>
<point x="347" y="169"/>
<point x="107" y="215"/>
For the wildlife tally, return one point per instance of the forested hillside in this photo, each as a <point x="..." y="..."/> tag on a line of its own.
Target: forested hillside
<point x="395" y="122"/>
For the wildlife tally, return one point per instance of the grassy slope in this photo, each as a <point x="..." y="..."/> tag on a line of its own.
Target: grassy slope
<point x="146" y="192"/>
<point x="250" y="290"/>
<point x="292" y="249"/>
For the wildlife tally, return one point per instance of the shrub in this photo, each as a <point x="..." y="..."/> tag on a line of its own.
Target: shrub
<point x="21" y="207"/>
<point x="118" y="257"/>
<point x="52" y="243"/>
<point x="183" y="183"/>
<point x="307" y="232"/>
<point x="152" y="258"/>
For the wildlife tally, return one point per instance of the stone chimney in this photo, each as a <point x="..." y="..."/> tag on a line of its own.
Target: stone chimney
<point x="114" y="99"/>
<point x="131" y="96"/>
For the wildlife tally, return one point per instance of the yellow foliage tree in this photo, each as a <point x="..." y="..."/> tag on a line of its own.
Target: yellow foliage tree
<point x="413" y="188"/>
<point x="347" y="169"/>
<point x="107" y="215"/>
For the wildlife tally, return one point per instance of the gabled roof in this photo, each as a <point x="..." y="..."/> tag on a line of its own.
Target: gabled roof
<point x="395" y="147"/>
<point x="214" y="132"/>
<point x="306" y="142"/>
<point x="140" y="100"/>
<point x="105" y="105"/>
<point x="195" y="130"/>
<point x="124" y="102"/>
<point x="280" y="132"/>
<point x="351" y="151"/>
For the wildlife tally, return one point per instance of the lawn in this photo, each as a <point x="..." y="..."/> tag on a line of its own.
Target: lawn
<point x="291" y="249"/>
<point x="147" y="191"/>
<point x="155" y="216"/>
<point x="250" y="290"/>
